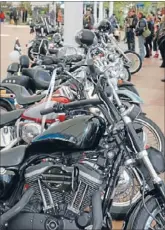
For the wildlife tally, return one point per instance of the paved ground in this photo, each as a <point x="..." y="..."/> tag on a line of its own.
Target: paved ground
<point x="147" y="81"/>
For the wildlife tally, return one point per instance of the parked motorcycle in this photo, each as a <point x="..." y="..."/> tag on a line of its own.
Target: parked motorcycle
<point x="66" y="180"/>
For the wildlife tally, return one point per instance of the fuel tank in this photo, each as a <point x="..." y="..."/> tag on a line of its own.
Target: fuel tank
<point x="80" y="133"/>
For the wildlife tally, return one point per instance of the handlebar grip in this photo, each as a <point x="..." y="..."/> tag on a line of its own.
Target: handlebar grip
<point x="47" y="111"/>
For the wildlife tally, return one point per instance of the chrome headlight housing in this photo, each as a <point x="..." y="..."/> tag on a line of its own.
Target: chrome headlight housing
<point x="29" y="131"/>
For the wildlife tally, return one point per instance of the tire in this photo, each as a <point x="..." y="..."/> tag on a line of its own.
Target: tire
<point x="155" y="128"/>
<point x="119" y="212"/>
<point x="127" y="73"/>
<point x="29" y="53"/>
<point x="142" y="220"/>
<point x="139" y="65"/>
<point x="4" y="105"/>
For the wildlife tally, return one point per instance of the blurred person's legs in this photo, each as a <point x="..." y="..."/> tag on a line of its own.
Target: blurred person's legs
<point x="155" y="48"/>
<point x="141" y="41"/>
<point x="131" y="40"/>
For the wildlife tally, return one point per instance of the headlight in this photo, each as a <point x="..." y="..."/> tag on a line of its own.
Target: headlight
<point x="30" y="131"/>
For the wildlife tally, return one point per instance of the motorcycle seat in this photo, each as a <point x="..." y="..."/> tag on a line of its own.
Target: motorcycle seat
<point x="8" y="117"/>
<point x="12" y="157"/>
<point x="22" y="95"/>
<point x="29" y="72"/>
<point x="53" y="51"/>
<point x="42" y="79"/>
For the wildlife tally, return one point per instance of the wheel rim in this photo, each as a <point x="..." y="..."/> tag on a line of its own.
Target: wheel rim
<point x="135" y="62"/>
<point x="125" y="75"/>
<point x="150" y="135"/>
<point x="126" y="193"/>
<point x="151" y="224"/>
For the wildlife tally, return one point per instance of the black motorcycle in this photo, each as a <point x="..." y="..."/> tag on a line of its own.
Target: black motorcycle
<point x="67" y="177"/>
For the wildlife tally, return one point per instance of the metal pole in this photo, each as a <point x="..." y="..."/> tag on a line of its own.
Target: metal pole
<point x="73" y="21"/>
<point x="111" y="6"/>
<point x="100" y="11"/>
<point x="95" y="12"/>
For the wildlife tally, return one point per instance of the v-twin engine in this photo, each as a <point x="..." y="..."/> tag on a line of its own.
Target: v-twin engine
<point x="62" y="192"/>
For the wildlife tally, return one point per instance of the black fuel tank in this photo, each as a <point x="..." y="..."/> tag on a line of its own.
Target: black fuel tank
<point x="80" y="133"/>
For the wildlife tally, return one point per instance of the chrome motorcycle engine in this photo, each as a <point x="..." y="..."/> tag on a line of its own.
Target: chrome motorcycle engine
<point x="65" y="192"/>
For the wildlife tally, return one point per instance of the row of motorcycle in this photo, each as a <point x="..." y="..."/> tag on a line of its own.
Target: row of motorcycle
<point x="78" y="152"/>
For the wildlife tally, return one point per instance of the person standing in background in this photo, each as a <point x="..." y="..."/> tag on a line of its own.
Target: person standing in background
<point x="113" y="22"/>
<point x="161" y="42"/>
<point x="149" y="39"/>
<point x="130" y="26"/>
<point x="141" y="25"/>
<point x="2" y="16"/>
<point x="59" y="18"/>
<point x="16" y="16"/>
<point x="88" y="20"/>
<point x="52" y="17"/>
<point x="26" y="15"/>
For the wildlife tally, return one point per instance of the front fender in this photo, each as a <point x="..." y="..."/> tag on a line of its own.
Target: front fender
<point x="132" y="96"/>
<point x="132" y="213"/>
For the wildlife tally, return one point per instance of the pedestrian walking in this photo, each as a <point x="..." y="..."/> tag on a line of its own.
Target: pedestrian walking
<point x="2" y="16"/>
<point x="140" y="29"/>
<point x="131" y="23"/>
<point x="149" y="39"/>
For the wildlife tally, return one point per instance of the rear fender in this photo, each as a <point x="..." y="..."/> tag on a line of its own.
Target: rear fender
<point x="132" y="96"/>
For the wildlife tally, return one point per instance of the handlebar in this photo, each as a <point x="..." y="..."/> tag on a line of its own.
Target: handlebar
<point x="59" y="107"/>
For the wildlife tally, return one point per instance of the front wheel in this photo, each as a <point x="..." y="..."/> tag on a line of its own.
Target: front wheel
<point x="152" y="137"/>
<point x="126" y="75"/>
<point x="136" y="61"/>
<point x="149" y="217"/>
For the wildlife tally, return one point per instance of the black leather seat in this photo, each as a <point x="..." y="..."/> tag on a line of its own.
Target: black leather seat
<point x="29" y="72"/>
<point x="8" y="117"/>
<point x="42" y="79"/>
<point x="22" y="95"/>
<point x="53" y="51"/>
<point x="12" y="157"/>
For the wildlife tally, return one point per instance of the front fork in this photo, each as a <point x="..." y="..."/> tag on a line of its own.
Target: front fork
<point x="143" y="156"/>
